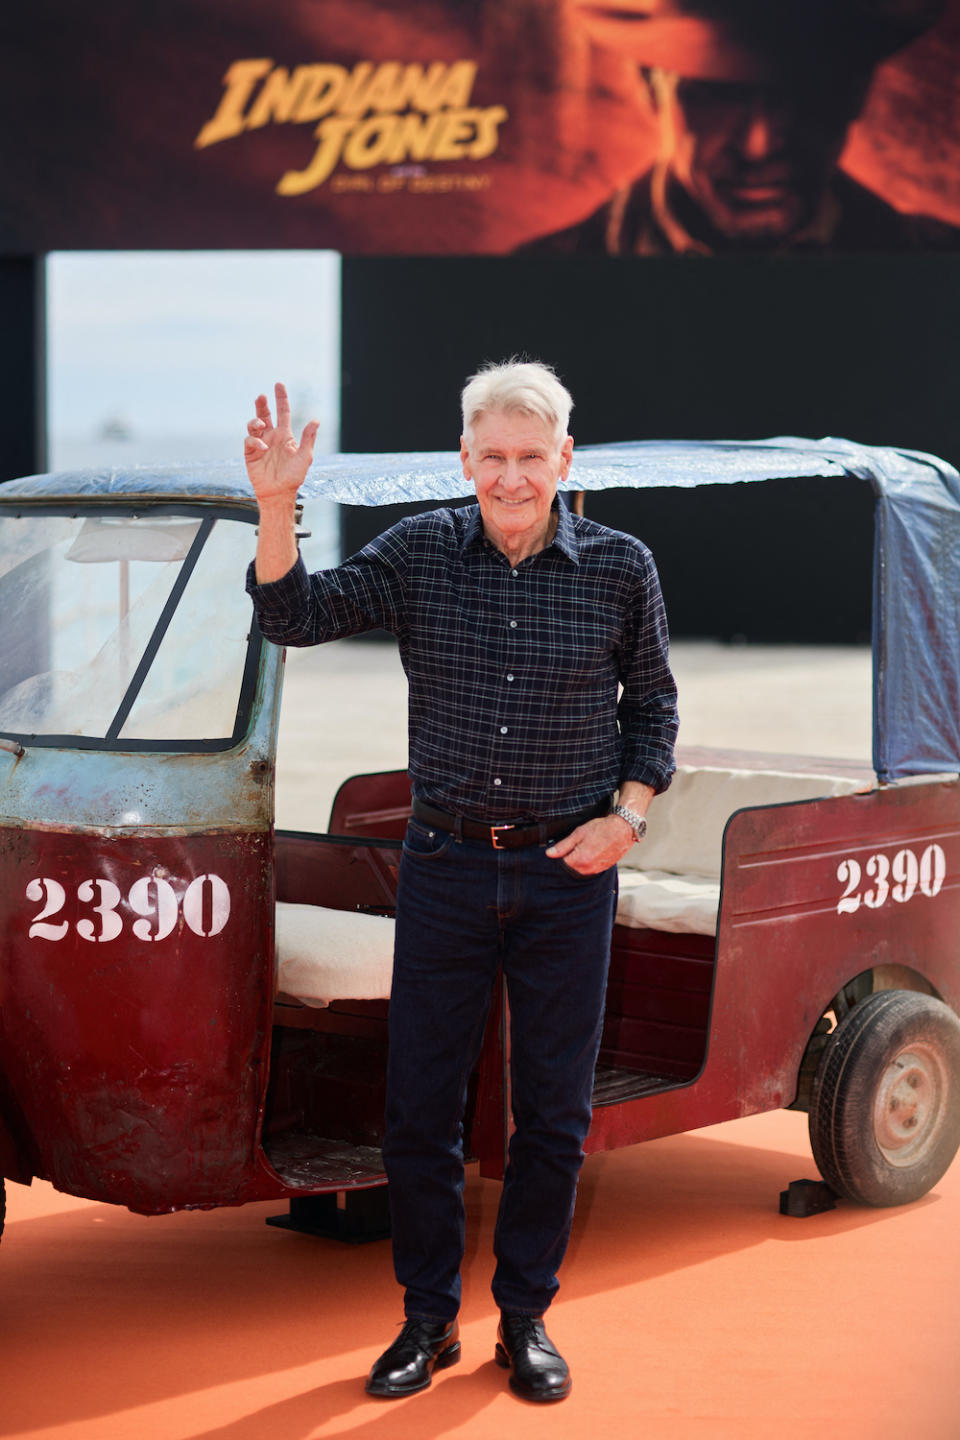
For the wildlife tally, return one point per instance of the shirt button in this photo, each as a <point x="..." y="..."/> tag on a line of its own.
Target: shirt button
<point x="503" y="729"/>
<point x="514" y="573"/>
<point x="513" y="624"/>
<point x="509" y="677"/>
<point x="498" y="781"/>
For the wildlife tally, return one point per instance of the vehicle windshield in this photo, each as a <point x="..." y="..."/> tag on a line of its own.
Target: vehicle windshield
<point x="130" y="630"/>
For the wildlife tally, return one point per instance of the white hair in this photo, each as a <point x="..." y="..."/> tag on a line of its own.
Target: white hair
<point x="525" y="386"/>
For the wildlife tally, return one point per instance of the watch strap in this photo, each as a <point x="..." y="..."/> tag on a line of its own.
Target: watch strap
<point x="636" y="822"/>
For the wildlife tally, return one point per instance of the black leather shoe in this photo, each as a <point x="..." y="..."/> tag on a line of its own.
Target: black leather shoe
<point x="539" y="1370"/>
<point x="407" y="1366"/>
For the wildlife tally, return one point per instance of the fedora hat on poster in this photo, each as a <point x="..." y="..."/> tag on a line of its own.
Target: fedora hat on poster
<point x="757" y="41"/>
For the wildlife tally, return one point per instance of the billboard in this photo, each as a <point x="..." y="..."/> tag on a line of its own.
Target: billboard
<point x="472" y="127"/>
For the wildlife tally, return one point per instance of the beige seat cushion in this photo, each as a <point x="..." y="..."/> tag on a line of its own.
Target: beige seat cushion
<point x="325" y="955"/>
<point x="657" y="900"/>
<point x="685" y="824"/>
<point x="670" y="881"/>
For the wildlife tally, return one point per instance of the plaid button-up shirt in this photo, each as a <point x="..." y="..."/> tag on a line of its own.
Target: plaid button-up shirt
<point x="515" y="672"/>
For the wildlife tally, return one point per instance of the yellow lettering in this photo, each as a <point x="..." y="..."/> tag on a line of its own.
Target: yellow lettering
<point x="240" y="80"/>
<point x="277" y="99"/>
<point x="383" y="91"/>
<point x="414" y="138"/>
<point x="458" y="131"/>
<point x="418" y="115"/>
<point x="488" y="134"/>
<point x="393" y="87"/>
<point x="321" y="88"/>
<point x="419" y="91"/>
<point x="456" y="87"/>
<point x="471" y="132"/>
<point x="331" y="134"/>
<point x="368" y="143"/>
<point x="352" y="102"/>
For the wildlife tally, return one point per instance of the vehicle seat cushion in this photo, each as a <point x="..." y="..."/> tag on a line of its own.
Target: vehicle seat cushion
<point x="325" y="955"/>
<point x="685" y="824"/>
<point x="658" y="900"/>
<point x="670" y="881"/>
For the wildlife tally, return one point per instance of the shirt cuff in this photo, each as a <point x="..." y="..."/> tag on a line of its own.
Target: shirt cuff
<point x="652" y="775"/>
<point x="287" y="593"/>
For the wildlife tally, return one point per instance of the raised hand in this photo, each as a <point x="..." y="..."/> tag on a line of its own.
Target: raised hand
<point x="276" y="464"/>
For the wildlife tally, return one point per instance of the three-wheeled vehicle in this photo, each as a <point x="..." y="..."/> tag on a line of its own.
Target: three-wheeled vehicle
<point x="193" y="1005"/>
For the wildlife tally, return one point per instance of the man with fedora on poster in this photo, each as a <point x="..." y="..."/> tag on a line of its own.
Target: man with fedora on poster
<point x="753" y="100"/>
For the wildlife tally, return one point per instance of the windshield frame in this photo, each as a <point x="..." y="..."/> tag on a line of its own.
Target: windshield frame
<point x="139" y="507"/>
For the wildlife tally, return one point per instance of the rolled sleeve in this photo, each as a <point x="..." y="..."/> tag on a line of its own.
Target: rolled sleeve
<point x="647" y="711"/>
<point x="365" y="593"/>
<point x="281" y="604"/>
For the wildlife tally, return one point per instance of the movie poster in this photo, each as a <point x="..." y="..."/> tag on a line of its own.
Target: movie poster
<point x="470" y="127"/>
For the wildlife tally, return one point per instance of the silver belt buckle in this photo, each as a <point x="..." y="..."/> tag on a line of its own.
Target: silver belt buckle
<point x="493" y="835"/>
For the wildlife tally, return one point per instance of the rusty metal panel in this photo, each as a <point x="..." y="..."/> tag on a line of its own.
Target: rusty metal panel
<point x="137" y="964"/>
<point x="118" y="792"/>
<point x="112" y="793"/>
<point x="134" y="1028"/>
<point x="815" y="893"/>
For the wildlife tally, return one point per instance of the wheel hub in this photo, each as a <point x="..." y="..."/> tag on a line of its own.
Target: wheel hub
<point x="909" y="1104"/>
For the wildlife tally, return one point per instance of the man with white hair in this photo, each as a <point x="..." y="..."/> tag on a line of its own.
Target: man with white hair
<point x="535" y="646"/>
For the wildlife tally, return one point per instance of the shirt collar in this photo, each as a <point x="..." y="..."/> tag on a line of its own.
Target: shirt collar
<point x="565" y="538"/>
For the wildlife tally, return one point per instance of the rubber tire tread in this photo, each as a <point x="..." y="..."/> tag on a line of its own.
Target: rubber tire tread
<point x="841" y="1104"/>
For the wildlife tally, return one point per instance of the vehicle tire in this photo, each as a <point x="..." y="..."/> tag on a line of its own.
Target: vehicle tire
<point x="885" y="1103"/>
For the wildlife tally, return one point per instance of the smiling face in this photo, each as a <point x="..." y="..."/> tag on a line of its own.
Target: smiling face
<point x="515" y="462"/>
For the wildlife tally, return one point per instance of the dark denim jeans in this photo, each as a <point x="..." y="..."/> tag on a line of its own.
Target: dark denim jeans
<point x="463" y="910"/>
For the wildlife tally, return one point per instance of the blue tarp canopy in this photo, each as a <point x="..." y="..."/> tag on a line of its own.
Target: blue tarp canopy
<point x="916" y="584"/>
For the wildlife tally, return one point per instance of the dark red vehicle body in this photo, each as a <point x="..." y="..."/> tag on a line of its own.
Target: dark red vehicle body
<point x="700" y="1030"/>
<point x="145" y="1056"/>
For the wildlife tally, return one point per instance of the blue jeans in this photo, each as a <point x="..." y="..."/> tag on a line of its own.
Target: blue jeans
<point x="463" y="910"/>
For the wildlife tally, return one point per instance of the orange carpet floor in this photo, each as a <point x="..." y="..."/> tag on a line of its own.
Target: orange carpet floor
<point x="689" y="1308"/>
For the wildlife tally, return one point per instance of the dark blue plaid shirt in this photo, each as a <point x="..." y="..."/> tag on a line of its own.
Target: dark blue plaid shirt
<point x="515" y="710"/>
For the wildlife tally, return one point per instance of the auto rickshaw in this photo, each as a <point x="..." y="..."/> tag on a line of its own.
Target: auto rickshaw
<point x="193" y="1004"/>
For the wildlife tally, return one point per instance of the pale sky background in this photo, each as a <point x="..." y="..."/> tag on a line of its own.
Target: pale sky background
<point x="174" y="346"/>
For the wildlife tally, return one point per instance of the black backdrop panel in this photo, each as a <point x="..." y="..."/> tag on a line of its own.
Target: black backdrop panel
<point x="22" y="365"/>
<point x="746" y="348"/>
<point x="785" y="561"/>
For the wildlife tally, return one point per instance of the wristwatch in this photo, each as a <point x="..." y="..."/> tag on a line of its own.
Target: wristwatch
<point x="636" y="822"/>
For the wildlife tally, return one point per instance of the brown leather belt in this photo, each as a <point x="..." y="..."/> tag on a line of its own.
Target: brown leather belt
<point x="509" y="836"/>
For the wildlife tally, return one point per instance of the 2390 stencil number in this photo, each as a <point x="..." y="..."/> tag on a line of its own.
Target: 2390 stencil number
<point x="204" y="906"/>
<point x="898" y="879"/>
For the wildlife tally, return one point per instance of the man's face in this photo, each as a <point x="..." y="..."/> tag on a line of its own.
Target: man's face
<point x="515" y="463"/>
<point x="755" y="160"/>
